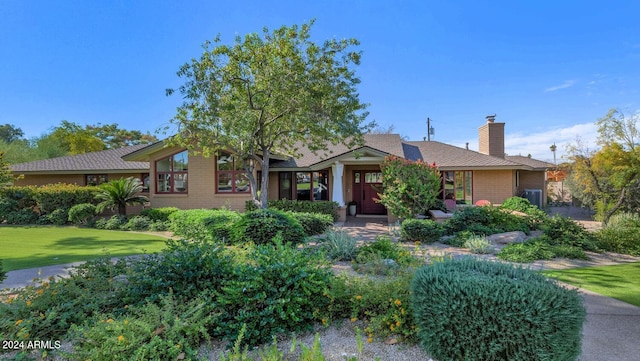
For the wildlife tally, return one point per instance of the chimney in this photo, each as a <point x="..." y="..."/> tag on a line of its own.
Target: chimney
<point x="491" y="137"/>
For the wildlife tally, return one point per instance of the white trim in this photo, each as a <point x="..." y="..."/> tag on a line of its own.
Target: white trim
<point x="337" y="194"/>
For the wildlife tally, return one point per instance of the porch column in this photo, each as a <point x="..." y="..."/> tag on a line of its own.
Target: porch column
<point x="337" y="194"/>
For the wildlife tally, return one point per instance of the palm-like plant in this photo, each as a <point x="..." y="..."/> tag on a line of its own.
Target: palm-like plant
<point x="120" y="193"/>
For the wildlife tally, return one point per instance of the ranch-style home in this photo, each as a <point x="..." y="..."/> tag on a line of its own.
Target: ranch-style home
<point x="173" y="177"/>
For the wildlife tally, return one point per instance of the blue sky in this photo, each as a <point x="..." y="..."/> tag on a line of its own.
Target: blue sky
<point x="549" y="69"/>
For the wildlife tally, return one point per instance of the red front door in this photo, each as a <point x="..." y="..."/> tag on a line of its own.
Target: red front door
<point x="367" y="185"/>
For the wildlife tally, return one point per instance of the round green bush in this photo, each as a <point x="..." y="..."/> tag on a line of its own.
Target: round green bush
<point x="204" y="225"/>
<point x="313" y="223"/>
<point x="468" y="309"/>
<point x="58" y="217"/>
<point x="159" y="214"/>
<point x="116" y="222"/>
<point x="138" y="223"/>
<point x="82" y="213"/>
<point x="22" y="216"/>
<point x="423" y="230"/>
<point x="262" y="225"/>
<point x="7" y="206"/>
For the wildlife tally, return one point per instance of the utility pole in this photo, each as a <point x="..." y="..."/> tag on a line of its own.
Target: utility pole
<point x="430" y="130"/>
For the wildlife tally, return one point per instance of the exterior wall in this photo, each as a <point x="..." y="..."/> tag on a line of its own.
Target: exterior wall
<point x="493" y="185"/>
<point x="347" y="179"/>
<point x="202" y="187"/>
<point x="79" y="179"/>
<point x="533" y="180"/>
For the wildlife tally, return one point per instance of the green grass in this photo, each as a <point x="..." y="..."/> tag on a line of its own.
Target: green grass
<point x="32" y="246"/>
<point x="621" y="282"/>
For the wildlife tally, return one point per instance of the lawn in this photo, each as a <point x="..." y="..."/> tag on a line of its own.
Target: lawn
<point x="621" y="281"/>
<point x="33" y="246"/>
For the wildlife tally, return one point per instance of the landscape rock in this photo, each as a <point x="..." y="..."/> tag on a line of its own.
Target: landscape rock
<point x="507" y="237"/>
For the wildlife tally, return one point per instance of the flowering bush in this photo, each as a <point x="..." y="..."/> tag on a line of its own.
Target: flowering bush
<point x="409" y="188"/>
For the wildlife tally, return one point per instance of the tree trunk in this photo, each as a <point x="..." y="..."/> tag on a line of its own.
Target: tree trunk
<point x="122" y="209"/>
<point x="266" y="155"/>
<point x="607" y="215"/>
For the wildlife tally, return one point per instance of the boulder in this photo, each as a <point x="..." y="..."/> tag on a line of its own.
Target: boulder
<point x="507" y="237"/>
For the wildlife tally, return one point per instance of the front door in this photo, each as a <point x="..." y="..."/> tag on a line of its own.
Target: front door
<point x="367" y="185"/>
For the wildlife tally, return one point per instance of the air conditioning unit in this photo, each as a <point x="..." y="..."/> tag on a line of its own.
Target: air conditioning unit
<point x="534" y="196"/>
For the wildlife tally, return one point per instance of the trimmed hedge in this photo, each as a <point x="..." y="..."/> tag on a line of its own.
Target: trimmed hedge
<point x="203" y="224"/>
<point x="312" y="223"/>
<point x="423" y="230"/>
<point x="468" y="309"/>
<point x="323" y="207"/>
<point x="262" y="225"/>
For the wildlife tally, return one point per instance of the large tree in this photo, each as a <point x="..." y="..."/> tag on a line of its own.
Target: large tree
<point x="10" y="133"/>
<point x="609" y="178"/>
<point x="270" y="94"/>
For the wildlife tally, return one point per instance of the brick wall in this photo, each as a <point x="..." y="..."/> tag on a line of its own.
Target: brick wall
<point x="493" y="185"/>
<point x="491" y="139"/>
<point x="533" y="180"/>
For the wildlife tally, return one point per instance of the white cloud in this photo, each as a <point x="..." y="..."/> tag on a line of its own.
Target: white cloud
<point x="566" y="84"/>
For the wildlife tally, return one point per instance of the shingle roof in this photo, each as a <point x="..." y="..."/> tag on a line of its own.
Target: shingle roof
<point x="533" y="163"/>
<point x="109" y="160"/>
<point x="449" y="156"/>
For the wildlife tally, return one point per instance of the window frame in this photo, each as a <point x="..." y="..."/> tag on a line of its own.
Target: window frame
<point x="98" y="181"/>
<point x="234" y="173"/>
<point x="172" y="174"/>
<point x="466" y="176"/>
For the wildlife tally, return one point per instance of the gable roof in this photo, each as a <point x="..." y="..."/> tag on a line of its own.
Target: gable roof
<point x="106" y="161"/>
<point x="449" y="157"/>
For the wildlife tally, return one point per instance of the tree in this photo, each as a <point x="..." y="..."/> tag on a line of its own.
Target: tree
<point x="409" y="188"/>
<point x="6" y="178"/>
<point x="10" y="132"/>
<point x="119" y="193"/>
<point x="270" y="94"/>
<point x="609" y="178"/>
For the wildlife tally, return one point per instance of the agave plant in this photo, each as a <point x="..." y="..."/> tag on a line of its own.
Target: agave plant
<point x="119" y="193"/>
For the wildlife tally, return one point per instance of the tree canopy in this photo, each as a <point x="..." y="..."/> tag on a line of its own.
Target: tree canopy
<point x="609" y="178"/>
<point x="9" y="133"/>
<point x="6" y="178"/>
<point x="270" y="93"/>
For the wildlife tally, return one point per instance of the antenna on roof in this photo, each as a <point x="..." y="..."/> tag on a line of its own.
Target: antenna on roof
<point x="430" y="130"/>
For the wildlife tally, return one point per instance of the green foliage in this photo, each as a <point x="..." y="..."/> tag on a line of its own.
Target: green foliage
<point x="478" y="245"/>
<point x="485" y="221"/>
<point x="262" y="225"/>
<point x="339" y="245"/>
<point x="3" y="273"/>
<point x="119" y="193"/>
<point x="10" y="133"/>
<point x="56" y="196"/>
<point x="279" y="289"/>
<point x="115" y="223"/>
<point x="535" y="215"/>
<point x="409" y="188"/>
<point x="58" y="217"/>
<point x="137" y="223"/>
<point x="82" y="213"/>
<point x="187" y="268"/>
<point x="159" y="214"/>
<point x="241" y="97"/>
<point x="539" y="249"/>
<point x="620" y="239"/>
<point x="7" y="206"/>
<point x="382" y="303"/>
<point x="383" y="257"/>
<point x="288" y="205"/>
<point x="624" y="220"/>
<point x="565" y="231"/>
<point x="172" y="330"/>
<point x="421" y="230"/>
<point x="203" y="224"/>
<point x="6" y="177"/>
<point x="312" y="223"/>
<point x="468" y="309"/>
<point x="22" y="216"/>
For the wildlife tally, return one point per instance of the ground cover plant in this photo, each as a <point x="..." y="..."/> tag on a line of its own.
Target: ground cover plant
<point x="37" y="246"/>
<point x="621" y="234"/>
<point x="621" y="281"/>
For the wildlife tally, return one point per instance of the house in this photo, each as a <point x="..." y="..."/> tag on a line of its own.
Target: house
<point x="341" y="174"/>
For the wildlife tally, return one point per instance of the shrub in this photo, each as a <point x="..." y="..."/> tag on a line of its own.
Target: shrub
<point x="535" y="215"/>
<point x="262" y="225"/>
<point x="159" y="214"/>
<point x="383" y="257"/>
<point x="63" y="196"/>
<point x="467" y="217"/>
<point x="278" y="290"/>
<point x="339" y="245"/>
<point x="312" y="223"/>
<point x="3" y="273"/>
<point x="159" y="226"/>
<point x="467" y="309"/>
<point x="564" y="231"/>
<point x="82" y="213"/>
<point x="22" y="216"/>
<point x="624" y="220"/>
<point x="422" y="230"/>
<point x="529" y="251"/>
<point x="504" y="221"/>
<point x="203" y="224"/>
<point x="620" y="239"/>
<point x="59" y="217"/>
<point x="138" y="223"/>
<point x="7" y="206"/>
<point x="478" y="245"/>
<point x="116" y="222"/>
<point x="288" y="205"/>
<point x="22" y="196"/>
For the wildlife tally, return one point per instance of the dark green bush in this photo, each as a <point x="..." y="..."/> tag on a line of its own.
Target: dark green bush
<point x="116" y="222"/>
<point x="63" y="196"/>
<point x="422" y="230"/>
<point x="539" y="249"/>
<point x="22" y="216"/>
<point x="620" y="239"/>
<point x="137" y="223"/>
<point x="535" y="215"/>
<point x="159" y="214"/>
<point x="58" y="217"/>
<point x="312" y="223"/>
<point x="485" y="221"/>
<point x="463" y="218"/>
<point x="159" y="226"/>
<point x="565" y="231"/>
<point x="261" y="226"/>
<point x="323" y="207"/>
<point x="24" y="197"/>
<point x="7" y="206"/>
<point x="505" y="221"/>
<point x="82" y="213"/>
<point x="3" y="274"/>
<point x="278" y="289"/>
<point x="468" y="309"/>
<point x="203" y="224"/>
<point x="188" y="268"/>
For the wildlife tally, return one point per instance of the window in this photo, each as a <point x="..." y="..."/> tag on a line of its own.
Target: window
<point x="146" y="180"/>
<point x="458" y="185"/>
<point x="284" y="185"/>
<point x="231" y="176"/>
<point x="310" y="186"/>
<point x="96" y="179"/>
<point x="171" y="173"/>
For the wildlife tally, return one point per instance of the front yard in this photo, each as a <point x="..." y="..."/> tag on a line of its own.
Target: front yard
<point x="37" y="246"/>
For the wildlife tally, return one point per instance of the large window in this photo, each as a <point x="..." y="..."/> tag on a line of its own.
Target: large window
<point x="171" y="173"/>
<point x="231" y="176"/>
<point x="309" y="186"/>
<point x="458" y="186"/>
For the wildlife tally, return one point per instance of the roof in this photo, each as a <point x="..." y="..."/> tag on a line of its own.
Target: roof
<point x="106" y="161"/>
<point x="447" y="156"/>
<point x="531" y="162"/>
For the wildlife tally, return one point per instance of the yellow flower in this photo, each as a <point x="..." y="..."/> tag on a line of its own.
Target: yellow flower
<point x="126" y="322"/>
<point x="10" y="300"/>
<point x="120" y="338"/>
<point x="18" y="322"/>
<point x="398" y="302"/>
<point x="397" y="323"/>
<point x="370" y="340"/>
<point x="110" y="320"/>
<point x="391" y="328"/>
<point x="324" y="321"/>
<point x="40" y="291"/>
<point x="402" y="311"/>
<point x="178" y="346"/>
<point x="28" y="303"/>
<point x="358" y="297"/>
<point x="354" y="319"/>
